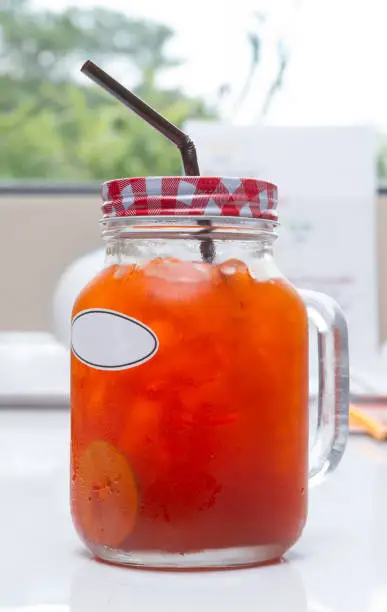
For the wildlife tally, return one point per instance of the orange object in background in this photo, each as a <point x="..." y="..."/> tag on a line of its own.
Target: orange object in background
<point x="213" y="427"/>
<point x="369" y="418"/>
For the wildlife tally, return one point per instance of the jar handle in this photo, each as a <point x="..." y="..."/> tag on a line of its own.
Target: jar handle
<point x="333" y="391"/>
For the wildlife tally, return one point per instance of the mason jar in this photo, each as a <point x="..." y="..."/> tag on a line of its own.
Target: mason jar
<point x="189" y="390"/>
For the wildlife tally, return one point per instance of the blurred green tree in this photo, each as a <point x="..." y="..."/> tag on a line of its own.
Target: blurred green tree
<point x="54" y="126"/>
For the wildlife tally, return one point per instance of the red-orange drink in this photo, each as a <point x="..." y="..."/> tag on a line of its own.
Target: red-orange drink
<point x="202" y="447"/>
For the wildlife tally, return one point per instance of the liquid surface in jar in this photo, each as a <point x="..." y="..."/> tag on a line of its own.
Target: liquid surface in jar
<point x="205" y="445"/>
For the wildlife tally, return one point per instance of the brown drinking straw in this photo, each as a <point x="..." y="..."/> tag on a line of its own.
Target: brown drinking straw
<point x="161" y="124"/>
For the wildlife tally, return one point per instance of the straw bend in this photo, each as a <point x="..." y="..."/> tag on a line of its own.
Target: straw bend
<point x="166" y="128"/>
<point x="150" y="115"/>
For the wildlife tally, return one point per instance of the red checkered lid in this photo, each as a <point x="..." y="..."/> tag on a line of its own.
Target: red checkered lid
<point x="189" y="195"/>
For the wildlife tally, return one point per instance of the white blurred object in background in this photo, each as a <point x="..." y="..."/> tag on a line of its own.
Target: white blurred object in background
<point x="34" y="370"/>
<point x="35" y="366"/>
<point x="370" y="379"/>
<point x="72" y="281"/>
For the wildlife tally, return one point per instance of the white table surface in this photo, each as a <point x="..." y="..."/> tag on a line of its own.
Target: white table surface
<point x="339" y="565"/>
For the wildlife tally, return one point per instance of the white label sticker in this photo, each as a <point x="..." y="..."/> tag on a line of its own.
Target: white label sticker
<point x="109" y="340"/>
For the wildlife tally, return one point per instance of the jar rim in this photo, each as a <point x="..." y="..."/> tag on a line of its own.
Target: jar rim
<point x="188" y="227"/>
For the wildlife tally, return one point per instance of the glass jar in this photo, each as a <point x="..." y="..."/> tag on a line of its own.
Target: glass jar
<point x="189" y="391"/>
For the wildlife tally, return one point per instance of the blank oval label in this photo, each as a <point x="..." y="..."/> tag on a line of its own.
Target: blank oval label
<point x="109" y="340"/>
